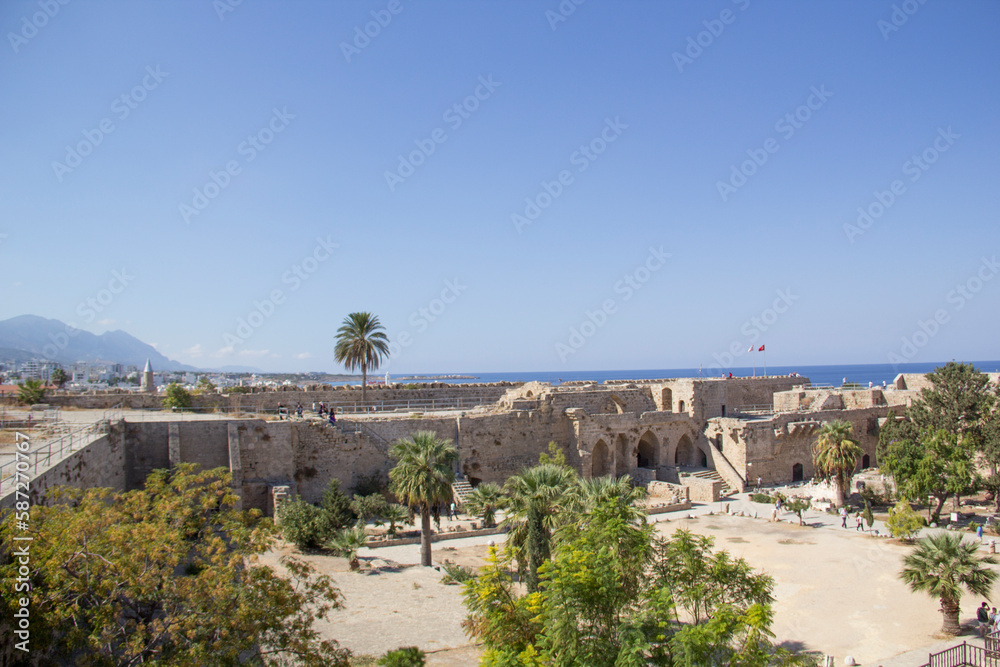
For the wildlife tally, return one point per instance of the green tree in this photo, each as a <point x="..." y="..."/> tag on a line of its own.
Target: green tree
<point x="554" y="455"/>
<point x="534" y="499"/>
<point x="589" y="493"/>
<point x="942" y="566"/>
<point x="903" y="522"/>
<point x="31" y="392"/>
<point x="422" y="477"/>
<point x="835" y="456"/>
<point x="168" y="574"/>
<point x="205" y="386"/>
<point x="611" y="596"/>
<point x="395" y="515"/>
<point x="59" y="378"/>
<point x="176" y="396"/>
<point x="868" y="516"/>
<point x="992" y="484"/>
<point x="958" y="401"/>
<point x="409" y="656"/>
<point x="337" y="506"/>
<point x="361" y="343"/>
<point x="484" y="502"/>
<point x="939" y="464"/>
<point x="798" y="506"/>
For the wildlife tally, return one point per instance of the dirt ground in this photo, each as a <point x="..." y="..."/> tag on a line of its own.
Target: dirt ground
<point x="837" y="591"/>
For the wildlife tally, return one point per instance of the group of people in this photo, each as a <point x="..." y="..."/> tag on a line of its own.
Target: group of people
<point x="988" y="620"/>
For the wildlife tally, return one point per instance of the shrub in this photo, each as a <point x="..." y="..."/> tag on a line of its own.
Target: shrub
<point x="31" y="392"/>
<point x="903" y="522"/>
<point x="337" y="506"/>
<point x="176" y="396"/>
<point x="370" y="508"/>
<point x="304" y="525"/>
<point x="761" y="498"/>
<point x="456" y="574"/>
<point x="410" y="656"/>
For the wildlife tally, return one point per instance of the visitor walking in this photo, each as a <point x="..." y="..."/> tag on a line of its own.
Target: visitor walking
<point x="860" y="523"/>
<point x="979" y="532"/>
<point x="843" y="516"/>
<point x="983" y="616"/>
<point x="451" y="511"/>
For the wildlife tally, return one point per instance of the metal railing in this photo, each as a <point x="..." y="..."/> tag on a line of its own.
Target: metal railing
<point x="351" y="426"/>
<point x="968" y="655"/>
<point x="26" y="465"/>
<point x="417" y="404"/>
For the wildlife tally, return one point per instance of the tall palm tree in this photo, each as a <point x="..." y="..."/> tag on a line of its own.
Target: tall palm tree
<point x="835" y="455"/>
<point x="361" y="343"/>
<point x="422" y="476"/>
<point x="592" y="492"/>
<point x="484" y="502"/>
<point x="941" y="565"/>
<point x="534" y="500"/>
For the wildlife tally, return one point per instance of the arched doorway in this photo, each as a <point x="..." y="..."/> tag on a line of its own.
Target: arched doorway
<point x="684" y="454"/>
<point x="680" y="406"/>
<point x="865" y="462"/>
<point x="647" y="454"/>
<point x="702" y="459"/>
<point x="600" y="464"/>
<point x="667" y="400"/>
<point x="797" y="472"/>
<point x="621" y="456"/>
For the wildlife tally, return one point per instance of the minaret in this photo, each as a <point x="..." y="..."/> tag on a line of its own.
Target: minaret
<point x="146" y="383"/>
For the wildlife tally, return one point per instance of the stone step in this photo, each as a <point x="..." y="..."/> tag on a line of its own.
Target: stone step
<point x="460" y="490"/>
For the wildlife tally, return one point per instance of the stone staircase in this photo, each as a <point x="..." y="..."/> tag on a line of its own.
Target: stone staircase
<point x="711" y="475"/>
<point x="460" y="490"/>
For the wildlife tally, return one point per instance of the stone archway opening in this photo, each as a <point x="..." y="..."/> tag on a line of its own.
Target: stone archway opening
<point x="600" y="464"/>
<point x="797" y="472"/>
<point x="621" y="456"/>
<point x="684" y="454"/>
<point x="667" y="400"/>
<point x="647" y="453"/>
<point x="866" y="462"/>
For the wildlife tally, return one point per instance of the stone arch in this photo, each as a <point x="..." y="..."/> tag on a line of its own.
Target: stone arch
<point x="600" y="460"/>
<point x="684" y="454"/>
<point x="621" y="456"/>
<point x="680" y="406"/>
<point x="667" y="399"/>
<point x="618" y="403"/>
<point x="866" y="462"/>
<point x="648" y="452"/>
<point x="797" y="475"/>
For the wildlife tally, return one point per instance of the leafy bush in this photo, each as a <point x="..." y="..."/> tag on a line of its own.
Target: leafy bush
<point x="761" y="498"/>
<point x="176" y="396"/>
<point x="456" y="574"/>
<point x="373" y="507"/>
<point x="304" y="525"/>
<point x="410" y="656"/>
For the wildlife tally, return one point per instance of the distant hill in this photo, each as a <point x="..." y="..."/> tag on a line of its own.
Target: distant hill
<point x="29" y="336"/>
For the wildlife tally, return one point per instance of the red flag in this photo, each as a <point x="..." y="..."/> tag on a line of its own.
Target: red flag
<point x="760" y="349"/>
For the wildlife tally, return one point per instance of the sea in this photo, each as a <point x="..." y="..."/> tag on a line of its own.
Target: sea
<point x="832" y="375"/>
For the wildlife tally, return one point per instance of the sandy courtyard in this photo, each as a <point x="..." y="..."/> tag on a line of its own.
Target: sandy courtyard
<point x="836" y="593"/>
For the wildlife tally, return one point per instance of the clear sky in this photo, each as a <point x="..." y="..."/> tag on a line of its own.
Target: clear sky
<point x="509" y="186"/>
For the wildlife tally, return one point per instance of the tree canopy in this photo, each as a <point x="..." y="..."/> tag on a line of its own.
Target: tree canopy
<point x="361" y="343"/>
<point x="168" y="574"/>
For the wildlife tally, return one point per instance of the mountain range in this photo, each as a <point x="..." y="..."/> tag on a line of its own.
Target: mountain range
<point x="31" y="337"/>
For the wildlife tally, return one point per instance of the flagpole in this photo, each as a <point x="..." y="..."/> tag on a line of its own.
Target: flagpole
<point x="753" y="356"/>
<point x="765" y="362"/>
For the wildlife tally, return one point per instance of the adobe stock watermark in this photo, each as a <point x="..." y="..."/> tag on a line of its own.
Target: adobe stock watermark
<point x="381" y="18"/>
<point x="89" y="308"/>
<point x="899" y="17"/>
<point x="786" y="126"/>
<point x="421" y="319"/>
<point x="627" y="286"/>
<point x="38" y="20"/>
<point x="581" y="158"/>
<point x="915" y="167"/>
<point x="223" y="7"/>
<point x="704" y="39"/>
<point x="122" y="107"/>
<point x="249" y="149"/>
<point x="755" y="327"/>
<point x="455" y="116"/>
<point x="294" y="277"/>
<point x="956" y="298"/>
<point x="563" y="11"/>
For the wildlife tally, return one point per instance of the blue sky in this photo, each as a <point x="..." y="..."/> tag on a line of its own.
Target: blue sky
<point x="508" y="187"/>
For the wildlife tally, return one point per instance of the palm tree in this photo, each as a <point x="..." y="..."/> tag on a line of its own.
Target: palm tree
<point x="361" y="343"/>
<point x="941" y="565"/>
<point x="422" y="476"/>
<point x="592" y="492"/>
<point x="484" y="501"/>
<point x="347" y="541"/>
<point x="31" y="392"/>
<point x="534" y="498"/>
<point x="835" y="455"/>
<point x="395" y="514"/>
